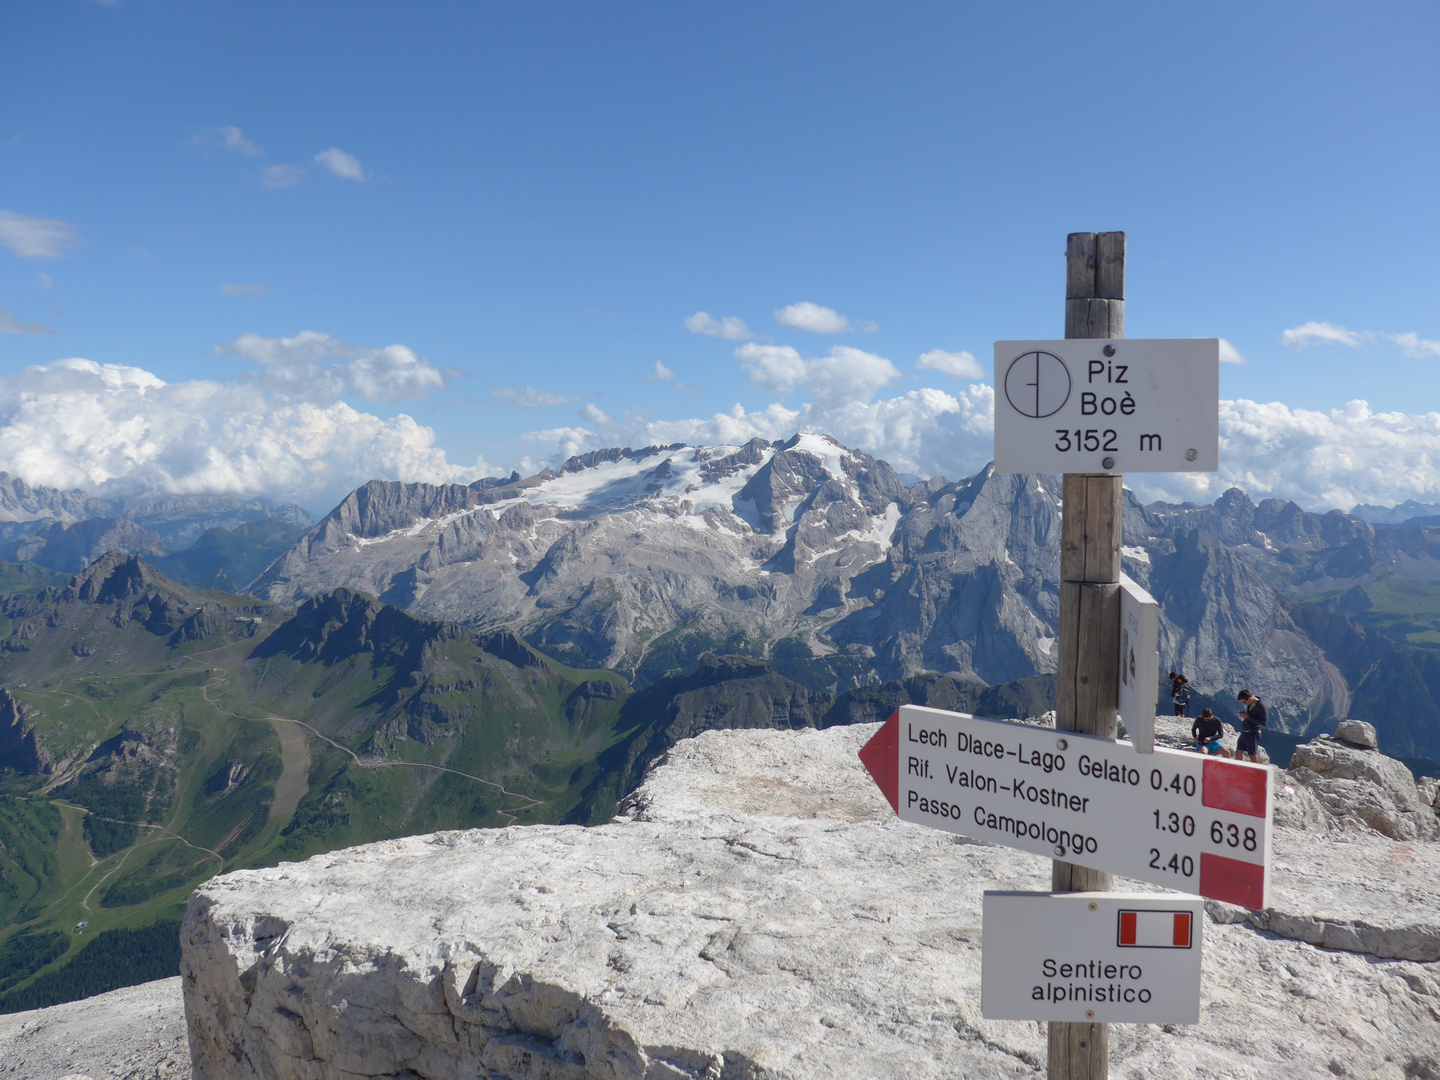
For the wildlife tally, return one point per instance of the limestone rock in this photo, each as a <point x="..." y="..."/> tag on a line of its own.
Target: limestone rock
<point x="1428" y="788"/>
<point x="1357" y="733"/>
<point x="756" y="911"/>
<point x="1364" y="789"/>
<point x="137" y="1033"/>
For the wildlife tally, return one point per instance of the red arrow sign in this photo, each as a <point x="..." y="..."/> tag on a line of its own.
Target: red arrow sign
<point x="881" y="757"/>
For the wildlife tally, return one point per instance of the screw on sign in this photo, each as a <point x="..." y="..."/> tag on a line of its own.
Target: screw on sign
<point x="1173" y="818"/>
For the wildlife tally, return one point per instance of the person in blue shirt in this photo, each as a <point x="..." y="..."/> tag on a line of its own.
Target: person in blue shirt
<point x="1179" y="692"/>
<point x="1254" y="719"/>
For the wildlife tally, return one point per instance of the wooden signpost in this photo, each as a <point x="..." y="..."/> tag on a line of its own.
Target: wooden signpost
<point x="1090" y="407"/>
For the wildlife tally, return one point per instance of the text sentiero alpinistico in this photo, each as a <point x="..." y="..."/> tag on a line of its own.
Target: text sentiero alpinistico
<point x="1119" y="984"/>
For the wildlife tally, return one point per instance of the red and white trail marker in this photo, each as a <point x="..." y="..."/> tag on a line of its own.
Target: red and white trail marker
<point x="1149" y="928"/>
<point x="1174" y="818"/>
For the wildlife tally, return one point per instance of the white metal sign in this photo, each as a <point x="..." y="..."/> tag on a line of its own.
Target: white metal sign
<point x="1092" y="405"/>
<point x="1102" y="957"/>
<point x="1139" y="663"/>
<point x="1187" y="821"/>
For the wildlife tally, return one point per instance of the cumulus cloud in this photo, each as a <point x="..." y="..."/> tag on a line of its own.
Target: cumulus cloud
<point x="731" y="328"/>
<point x="562" y="442"/>
<point x="1229" y="354"/>
<point x="245" y="290"/>
<point x="281" y="176"/>
<point x="9" y="324"/>
<point x="658" y="373"/>
<point x="846" y="375"/>
<point x="961" y="365"/>
<point x="36" y="238"/>
<point x="596" y="415"/>
<point x="346" y="166"/>
<point x="772" y="367"/>
<point x="819" y="320"/>
<point x="121" y="430"/>
<point x="528" y="397"/>
<point x="312" y="365"/>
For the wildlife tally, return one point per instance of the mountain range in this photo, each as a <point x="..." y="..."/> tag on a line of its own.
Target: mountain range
<point x="522" y="649"/>
<point x="819" y="558"/>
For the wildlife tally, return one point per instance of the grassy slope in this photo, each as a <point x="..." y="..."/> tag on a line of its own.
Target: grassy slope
<point x="398" y="738"/>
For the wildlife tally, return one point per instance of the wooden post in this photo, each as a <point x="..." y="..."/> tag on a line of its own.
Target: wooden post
<point x="1086" y="682"/>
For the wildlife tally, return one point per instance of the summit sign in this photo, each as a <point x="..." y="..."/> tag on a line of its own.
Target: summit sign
<point x="1092" y="405"/>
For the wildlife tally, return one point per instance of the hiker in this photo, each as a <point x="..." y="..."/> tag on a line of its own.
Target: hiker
<point x="1255" y="718"/>
<point x="1206" y="732"/>
<point x="1179" y="692"/>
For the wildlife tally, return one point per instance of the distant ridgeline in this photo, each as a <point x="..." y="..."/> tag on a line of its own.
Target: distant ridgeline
<point x="541" y="640"/>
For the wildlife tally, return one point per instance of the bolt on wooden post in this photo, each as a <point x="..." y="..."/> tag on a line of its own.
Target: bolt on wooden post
<point x="1087" y="690"/>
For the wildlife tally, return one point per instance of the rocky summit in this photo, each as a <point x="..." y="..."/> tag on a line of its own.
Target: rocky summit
<point x="756" y="910"/>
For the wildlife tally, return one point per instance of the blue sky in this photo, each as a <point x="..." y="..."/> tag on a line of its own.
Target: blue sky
<point x="303" y="245"/>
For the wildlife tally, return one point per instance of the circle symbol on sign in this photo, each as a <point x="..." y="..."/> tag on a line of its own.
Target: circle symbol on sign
<point x="1037" y="384"/>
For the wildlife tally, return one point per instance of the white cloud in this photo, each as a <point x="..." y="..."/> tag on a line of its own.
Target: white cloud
<point x="731" y="328"/>
<point x="9" y="324"/>
<point x="961" y="365"/>
<point x="245" y="290"/>
<point x="819" y="320"/>
<point x="45" y="280"/>
<point x="1321" y="460"/>
<point x="314" y="366"/>
<point x="1318" y="333"/>
<point x="122" y="431"/>
<point x="1416" y="346"/>
<point x="1229" y="354"/>
<point x="281" y="176"/>
<point x="596" y="415"/>
<point x="528" y="397"/>
<point x="846" y="375"/>
<point x="565" y="441"/>
<point x="346" y="166"/>
<point x="232" y="138"/>
<point x="772" y="367"/>
<point x="36" y="238"/>
<point x="658" y="373"/>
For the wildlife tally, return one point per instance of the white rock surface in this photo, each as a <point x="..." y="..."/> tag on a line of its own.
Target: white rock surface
<point x="137" y="1033"/>
<point x="1357" y="733"/>
<point x="758" y="912"/>
<point x="1364" y="789"/>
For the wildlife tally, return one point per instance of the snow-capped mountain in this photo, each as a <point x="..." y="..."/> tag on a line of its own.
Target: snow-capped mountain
<point x="640" y="560"/>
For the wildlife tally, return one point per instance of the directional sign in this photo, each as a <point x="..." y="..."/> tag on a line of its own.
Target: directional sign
<point x="1139" y="663"/>
<point x="1092" y="405"/>
<point x="1130" y="958"/>
<point x="1191" y="822"/>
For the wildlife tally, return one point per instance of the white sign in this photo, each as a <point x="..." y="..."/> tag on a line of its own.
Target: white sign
<point x="1139" y="663"/>
<point x="1129" y="958"/>
<point x="1176" y="818"/>
<point x="1095" y="405"/>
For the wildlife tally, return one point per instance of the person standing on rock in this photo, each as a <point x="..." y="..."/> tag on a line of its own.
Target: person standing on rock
<point x="1206" y="732"/>
<point x="1255" y="718"/>
<point x="1179" y="692"/>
